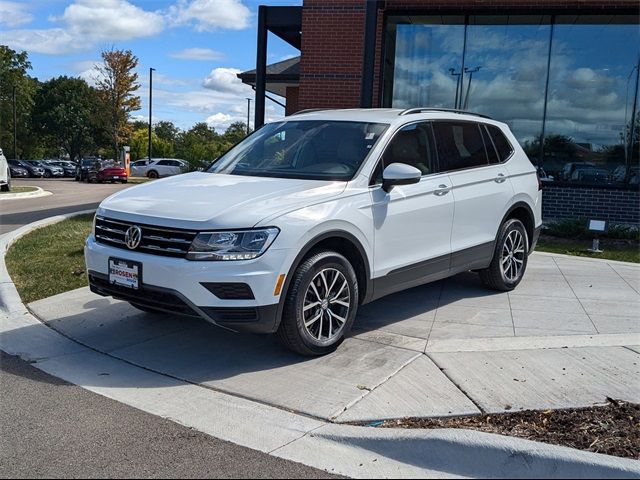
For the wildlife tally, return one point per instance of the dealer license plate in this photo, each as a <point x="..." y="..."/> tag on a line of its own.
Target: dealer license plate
<point x="125" y="273"/>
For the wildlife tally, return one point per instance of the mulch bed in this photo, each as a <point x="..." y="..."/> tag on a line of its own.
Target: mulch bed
<point x="613" y="429"/>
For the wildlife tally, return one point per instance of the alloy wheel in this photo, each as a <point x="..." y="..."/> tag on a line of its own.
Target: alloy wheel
<point x="513" y="256"/>
<point x="326" y="305"/>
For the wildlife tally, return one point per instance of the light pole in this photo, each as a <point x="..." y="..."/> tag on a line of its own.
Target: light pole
<point x="248" y="111"/>
<point x="470" y="71"/>
<point x="15" y="126"/>
<point x="453" y="73"/>
<point x="151" y="70"/>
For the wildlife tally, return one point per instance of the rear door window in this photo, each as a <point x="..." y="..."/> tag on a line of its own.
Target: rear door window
<point x="459" y="145"/>
<point x="501" y="143"/>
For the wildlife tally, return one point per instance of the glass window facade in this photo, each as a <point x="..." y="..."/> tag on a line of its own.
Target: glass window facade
<point x="566" y="85"/>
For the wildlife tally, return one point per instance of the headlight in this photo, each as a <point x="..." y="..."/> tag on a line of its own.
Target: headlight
<point x="232" y="245"/>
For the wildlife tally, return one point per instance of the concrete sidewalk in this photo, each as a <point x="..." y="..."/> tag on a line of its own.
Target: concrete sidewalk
<point x="450" y="348"/>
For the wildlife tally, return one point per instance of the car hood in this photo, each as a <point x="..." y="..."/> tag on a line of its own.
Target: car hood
<point x="210" y="201"/>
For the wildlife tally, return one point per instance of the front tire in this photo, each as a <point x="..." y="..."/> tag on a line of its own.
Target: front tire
<point x="320" y="305"/>
<point x="509" y="258"/>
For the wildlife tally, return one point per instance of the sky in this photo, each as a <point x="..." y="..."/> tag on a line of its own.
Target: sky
<point x="196" y="47"/>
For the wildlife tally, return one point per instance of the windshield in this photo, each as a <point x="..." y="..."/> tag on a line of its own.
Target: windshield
<point x="305" y="149"/>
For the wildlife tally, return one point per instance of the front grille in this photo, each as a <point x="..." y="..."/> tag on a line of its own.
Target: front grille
<point x="230" y="291"/>
<point x="146" y="296"/>
<point x="155" y="240"/>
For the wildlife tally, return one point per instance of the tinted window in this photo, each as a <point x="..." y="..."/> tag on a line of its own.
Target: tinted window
<point x="488" y="144"/>
<point x="459" y="145"/>
<point x="500" y="141"/>
<point x="164" y="162"/>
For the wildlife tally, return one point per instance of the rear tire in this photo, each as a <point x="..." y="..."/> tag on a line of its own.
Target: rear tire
<point x="148" y="309"/>
<point x="153" y="174"/>
<point x="320" y="305"/>
<point x="509" y="258"/>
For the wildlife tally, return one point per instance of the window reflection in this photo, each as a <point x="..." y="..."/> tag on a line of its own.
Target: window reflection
<point x="511" y="54"/>
<point x="591" y="96"/>
<point x="592" y="92"/>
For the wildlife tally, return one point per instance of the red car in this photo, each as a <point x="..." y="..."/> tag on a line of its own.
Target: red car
<point x="102" y="172"/>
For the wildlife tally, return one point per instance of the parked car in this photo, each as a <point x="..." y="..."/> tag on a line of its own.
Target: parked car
<point x="106" y="171"/>
<point x="158" y="167"/>
<point x="308" y="218"/>
<point x="50" y="171"/>
<point x="69" y="168"/>
<point x="591" y="174"/>
<point x="17" y="171"/>
<point x="82" y="168"/>
<point x="33" y="170"/>
<point x="570" y="169"/>
<point x="5" y="174"/>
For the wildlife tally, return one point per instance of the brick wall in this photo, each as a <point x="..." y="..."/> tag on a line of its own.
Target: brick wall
<point x="292" y="96"/>
<point x="617" y="206"/>
<point x="331" y="63"/>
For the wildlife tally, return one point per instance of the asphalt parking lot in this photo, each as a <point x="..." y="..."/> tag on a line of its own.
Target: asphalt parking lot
<point x="68" y="196"/>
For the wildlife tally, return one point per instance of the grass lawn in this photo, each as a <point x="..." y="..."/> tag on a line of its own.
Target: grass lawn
<point x="623" y="253"/>
<point x="21" y="190"/>
<point x="50" y="260"/>
<point x="136" y="180"/>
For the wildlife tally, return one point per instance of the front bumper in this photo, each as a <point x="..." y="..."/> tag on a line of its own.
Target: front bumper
<point x="177" y="285"/>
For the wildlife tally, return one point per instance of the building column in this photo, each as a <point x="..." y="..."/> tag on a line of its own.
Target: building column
<point x="261" y="67"/>
<point x="368" y="62"/>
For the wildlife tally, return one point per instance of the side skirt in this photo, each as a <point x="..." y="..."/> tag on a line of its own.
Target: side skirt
<point x="472" y="258"/>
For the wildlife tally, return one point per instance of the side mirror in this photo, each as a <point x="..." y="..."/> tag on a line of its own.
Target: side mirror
<point x="399" y="174"/>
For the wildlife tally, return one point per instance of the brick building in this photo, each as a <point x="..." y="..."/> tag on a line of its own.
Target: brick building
<point x="563" y="74"/>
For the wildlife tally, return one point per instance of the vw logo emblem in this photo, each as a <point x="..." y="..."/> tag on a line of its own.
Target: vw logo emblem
<point x="132" y="237"/>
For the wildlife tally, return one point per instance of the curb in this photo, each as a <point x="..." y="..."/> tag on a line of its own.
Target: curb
<point x="362" y="452"/>
<point x="35" y="194"/>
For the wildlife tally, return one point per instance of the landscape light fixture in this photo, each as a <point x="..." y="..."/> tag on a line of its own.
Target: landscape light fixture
<point x="597" y="227"/>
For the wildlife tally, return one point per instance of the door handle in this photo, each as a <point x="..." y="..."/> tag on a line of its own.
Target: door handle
<point x="500" y="178"/>
<point x="442" y="190"/>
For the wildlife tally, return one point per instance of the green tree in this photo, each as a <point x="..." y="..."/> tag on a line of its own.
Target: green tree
<point x="235" y="132"/>
<point x="139" y="143"/>
<point x="65" y="114"/>
<point x="200" y="145"/>
<point x="117" y="83"/>
<point x="13" y="73"/>
<point x="166" y="131"/>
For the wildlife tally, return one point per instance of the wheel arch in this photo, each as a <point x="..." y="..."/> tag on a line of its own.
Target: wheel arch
<point x="521" y="211"/>
<point x="344" y="243"/>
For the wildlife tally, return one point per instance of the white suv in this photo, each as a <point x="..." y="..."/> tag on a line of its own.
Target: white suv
<point x="158" y="167"/>
<point x="309" y="217"/>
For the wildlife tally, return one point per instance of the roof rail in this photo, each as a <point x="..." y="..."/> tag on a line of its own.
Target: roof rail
<point x="409" y="111"/>
<point x="309" y="110"/>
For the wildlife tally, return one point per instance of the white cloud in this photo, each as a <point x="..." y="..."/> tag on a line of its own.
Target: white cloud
<point x="219" y="120"/>
<point x="87" y="23"/>
<point x="13" y="14"/>
<point x="225" y="80"/>
<point x="209" y="15"/>
<point x="199" y="54"/>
